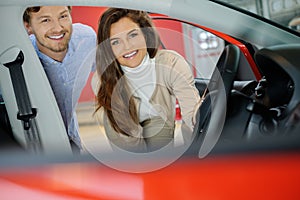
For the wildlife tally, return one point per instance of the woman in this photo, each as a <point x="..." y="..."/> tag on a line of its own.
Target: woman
<point x="139" y="84"/>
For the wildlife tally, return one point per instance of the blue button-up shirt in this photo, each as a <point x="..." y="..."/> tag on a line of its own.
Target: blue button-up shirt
<point x="68" y="78"/>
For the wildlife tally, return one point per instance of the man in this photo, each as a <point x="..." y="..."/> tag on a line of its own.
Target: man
<point x="63" y="49"/>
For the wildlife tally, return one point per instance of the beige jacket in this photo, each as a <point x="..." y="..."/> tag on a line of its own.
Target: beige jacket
<point x="174" y="79"/>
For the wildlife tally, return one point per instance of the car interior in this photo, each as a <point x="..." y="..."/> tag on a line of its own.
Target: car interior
<point x="266" y="110"/>
<point x="250" y="108"/>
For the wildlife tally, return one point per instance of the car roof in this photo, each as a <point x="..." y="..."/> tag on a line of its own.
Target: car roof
<point x="234" y="22"/>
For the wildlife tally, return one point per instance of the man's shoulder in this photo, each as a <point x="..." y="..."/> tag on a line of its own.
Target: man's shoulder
<point x="83" y="30"/>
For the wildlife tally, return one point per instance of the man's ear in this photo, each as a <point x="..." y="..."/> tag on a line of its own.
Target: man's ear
<point x="28" y="28"/>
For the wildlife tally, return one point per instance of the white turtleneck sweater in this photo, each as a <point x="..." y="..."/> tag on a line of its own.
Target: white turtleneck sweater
<point x="143" y="80"/>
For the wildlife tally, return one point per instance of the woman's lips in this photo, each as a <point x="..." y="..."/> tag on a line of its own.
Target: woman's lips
<point x="130" y="55"/>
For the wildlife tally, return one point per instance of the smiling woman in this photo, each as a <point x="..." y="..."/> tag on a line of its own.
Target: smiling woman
<point x="139" y="83"/>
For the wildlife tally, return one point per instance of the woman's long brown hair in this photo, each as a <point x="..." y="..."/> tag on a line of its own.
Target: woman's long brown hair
<point x="114" y="93"/>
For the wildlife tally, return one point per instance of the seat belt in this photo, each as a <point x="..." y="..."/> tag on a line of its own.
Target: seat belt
<point x="26" y="113"/>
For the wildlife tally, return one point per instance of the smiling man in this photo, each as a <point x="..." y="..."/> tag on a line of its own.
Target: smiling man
<point x="63" y="49"/>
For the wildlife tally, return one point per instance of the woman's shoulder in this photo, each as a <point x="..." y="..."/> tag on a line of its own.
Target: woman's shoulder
<point x="167" y="53"/>
<point x="167" y="56"/>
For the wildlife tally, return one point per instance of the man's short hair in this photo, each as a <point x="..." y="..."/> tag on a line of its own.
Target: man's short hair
<point x="26" y="15"/>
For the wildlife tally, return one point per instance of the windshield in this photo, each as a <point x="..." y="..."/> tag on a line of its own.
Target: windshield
<point x="283" y="12"/>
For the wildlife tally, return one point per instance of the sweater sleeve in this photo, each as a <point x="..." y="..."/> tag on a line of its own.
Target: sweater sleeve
<point x="182" y="84"/>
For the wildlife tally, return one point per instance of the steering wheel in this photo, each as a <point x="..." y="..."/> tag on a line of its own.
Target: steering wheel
<point x="211" y="114"/>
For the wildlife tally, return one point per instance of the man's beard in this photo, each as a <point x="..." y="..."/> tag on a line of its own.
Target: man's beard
<point x="52" y="45"/>
<point x="57" y="49"/>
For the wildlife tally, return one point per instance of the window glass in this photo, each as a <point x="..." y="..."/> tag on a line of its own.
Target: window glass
<point x="199" y="47"/>
<point x="283" y="12"/>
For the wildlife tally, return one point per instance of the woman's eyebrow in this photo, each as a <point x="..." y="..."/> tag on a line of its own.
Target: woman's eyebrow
<point x="115" y="37"/>
<point x="132" y="31"/>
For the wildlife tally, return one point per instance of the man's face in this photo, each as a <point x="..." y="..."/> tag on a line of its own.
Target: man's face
<point x="52" y="27"/>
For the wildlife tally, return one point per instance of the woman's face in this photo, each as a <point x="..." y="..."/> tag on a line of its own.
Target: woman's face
<point x="128" y="42"/>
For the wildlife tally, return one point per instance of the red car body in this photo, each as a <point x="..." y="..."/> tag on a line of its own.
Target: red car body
<point x="255" y="176"/>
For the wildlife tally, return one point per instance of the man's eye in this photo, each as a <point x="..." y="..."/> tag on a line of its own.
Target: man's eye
<point x="64" y="16"/>
<point x="45" y="20"/>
